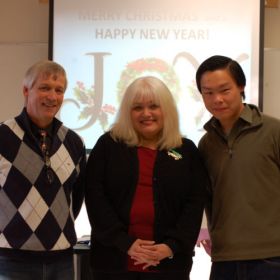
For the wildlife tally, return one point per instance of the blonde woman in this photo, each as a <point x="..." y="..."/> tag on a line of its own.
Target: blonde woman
<point x="145" y="190"/>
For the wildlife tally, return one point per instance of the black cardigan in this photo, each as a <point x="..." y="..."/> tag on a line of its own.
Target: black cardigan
<point x="179" y="189"/>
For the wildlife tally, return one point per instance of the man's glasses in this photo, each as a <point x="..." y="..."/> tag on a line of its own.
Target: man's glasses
<point x="44" y="148"/>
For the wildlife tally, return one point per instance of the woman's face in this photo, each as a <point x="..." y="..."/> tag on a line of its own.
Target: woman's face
<point x="147" y="119"/>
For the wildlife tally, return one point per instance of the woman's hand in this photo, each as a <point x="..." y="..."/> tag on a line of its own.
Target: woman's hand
<point x="147" y="253"/>
<point x="142" y="255"/>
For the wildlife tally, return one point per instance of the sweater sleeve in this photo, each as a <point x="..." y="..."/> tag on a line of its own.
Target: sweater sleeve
<point x="79" y="186"/>
<point x="107" y="228"/>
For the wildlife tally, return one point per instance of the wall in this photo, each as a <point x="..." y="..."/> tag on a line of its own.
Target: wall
<point x="23" y="40"/>
<point x="271" y="28"/>
<point x="271" y="98"/>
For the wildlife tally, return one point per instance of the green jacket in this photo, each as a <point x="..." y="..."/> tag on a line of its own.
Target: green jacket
<point x="244" y="167"/>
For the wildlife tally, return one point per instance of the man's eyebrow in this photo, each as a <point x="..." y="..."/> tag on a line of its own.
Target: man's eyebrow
<point x="226" y="84"/>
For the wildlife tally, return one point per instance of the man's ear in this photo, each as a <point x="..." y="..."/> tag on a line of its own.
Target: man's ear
<point x="25" y="91"/>
<point x="242" y="88"/>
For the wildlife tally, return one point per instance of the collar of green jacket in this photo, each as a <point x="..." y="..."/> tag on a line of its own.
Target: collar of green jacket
<point x="251" y="115"/>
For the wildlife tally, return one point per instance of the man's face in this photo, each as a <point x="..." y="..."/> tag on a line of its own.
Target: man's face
<point x="222" y="96"/>
<point x="44" y="99"/>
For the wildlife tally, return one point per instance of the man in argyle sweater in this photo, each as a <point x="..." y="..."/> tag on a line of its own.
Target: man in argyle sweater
<point x="41" y="182"/>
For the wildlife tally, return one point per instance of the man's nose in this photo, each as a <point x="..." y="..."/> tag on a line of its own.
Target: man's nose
<point x="218" y="98"/>
<point x="52" y="94"/>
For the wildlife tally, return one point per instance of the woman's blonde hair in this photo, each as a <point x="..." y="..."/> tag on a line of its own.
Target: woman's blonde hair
<point x="158" y="92"/>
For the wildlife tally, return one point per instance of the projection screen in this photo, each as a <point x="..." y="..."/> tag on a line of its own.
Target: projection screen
<point x="105" y="46"/>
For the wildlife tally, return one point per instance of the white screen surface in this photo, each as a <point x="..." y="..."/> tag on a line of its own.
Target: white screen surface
<point x="104" y="47"/>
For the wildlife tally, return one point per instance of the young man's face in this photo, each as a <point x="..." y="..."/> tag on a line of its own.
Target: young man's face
<point x="222" y="96"/>
<point x="44" y="99"/>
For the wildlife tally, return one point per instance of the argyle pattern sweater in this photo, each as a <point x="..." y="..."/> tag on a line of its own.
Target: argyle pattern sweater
<point x="37" y="216"/>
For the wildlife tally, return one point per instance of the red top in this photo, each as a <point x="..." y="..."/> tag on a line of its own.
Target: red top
<point x="142" y="210"/>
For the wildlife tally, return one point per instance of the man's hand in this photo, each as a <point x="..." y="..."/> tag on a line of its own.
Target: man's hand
<point x="204" y="239"/>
